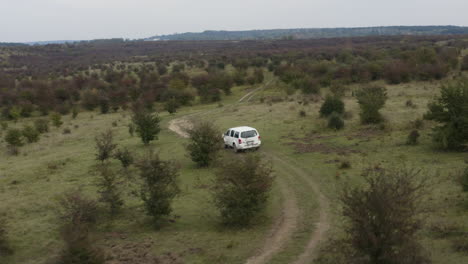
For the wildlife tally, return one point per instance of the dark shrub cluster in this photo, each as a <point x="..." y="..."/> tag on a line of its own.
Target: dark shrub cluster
<point x="203" y="145"/>
<point x="241" y="188"/>
<point x="332" y="104"/>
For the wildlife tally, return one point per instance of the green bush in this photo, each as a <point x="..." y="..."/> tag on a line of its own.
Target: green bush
<point x="335" y="122"/>
<point x="159" y="185"/>
<point x="450" y="109"/>
<point x="31" y="134"/>
<point x="109" y="190"/>
<point x="78" y="216"/>
<point x="41" y="125"/>
<point x="241" y="187"/>
<point x="203" y="144"/>
<point x="125" y="157"/>
<point x="14" y="137"/>
<point x="171" y="106"/>
<point x="56" y="119"/>
<point x="331" y="104"/>
<point x="146" y="124"/>
<point x="371" y="99"/>
<point x="105" y="145"/>
<point x="383" y="217"/>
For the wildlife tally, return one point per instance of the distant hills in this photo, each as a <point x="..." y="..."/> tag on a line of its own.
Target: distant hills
<point x="310" y="33"/>
<point x="270" y="34"/>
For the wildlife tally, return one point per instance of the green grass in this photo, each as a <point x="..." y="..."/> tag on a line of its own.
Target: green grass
<point x="30" y="182"/>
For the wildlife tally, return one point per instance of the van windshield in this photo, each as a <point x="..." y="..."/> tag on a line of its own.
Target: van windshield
<point x="248" y="134"/>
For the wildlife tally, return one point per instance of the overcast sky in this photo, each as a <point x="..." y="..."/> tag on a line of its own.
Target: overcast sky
<point x="36" y="20"/>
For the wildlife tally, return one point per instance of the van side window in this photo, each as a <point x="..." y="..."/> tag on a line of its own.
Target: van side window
<point x="232" y="133"/>
<point x="237" y="135"/>
<point x="227" y="133"/>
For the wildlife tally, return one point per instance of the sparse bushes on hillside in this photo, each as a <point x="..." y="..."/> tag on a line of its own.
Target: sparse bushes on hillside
<point x="242" y="186"/>
<point x="450" y="109"/>
<point x="203" y="146"/>
<point x="105" y="145"/>
<point x="332" y="104"/>
<point x="146" y="125"/>
<point x="159" y="186"/>
<point x="382" y="218"/>
<point x="371" y="99"/>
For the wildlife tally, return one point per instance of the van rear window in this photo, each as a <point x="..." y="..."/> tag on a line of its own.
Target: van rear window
<point x="249" y="134"/>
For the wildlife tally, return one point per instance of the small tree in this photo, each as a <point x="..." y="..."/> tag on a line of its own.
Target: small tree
<point x="56" y="119"/>
<point x="381" y="219"/>
<point x="14" y="137"/>
<point x="41" y="125"/>
<point x="241" y="187"/>
<point x="203" y="146"/>
<point x="78" y="216"/>
<point x="171" y="106"/>
<point x="108" y="188"/>
<point x="125" y="157"/>
<point x="147" y="125"/>
<point x="31" y="134"/>
<point x="105" y="145"/>
<point x="413" y="138"/>
<point x="159" y="185"/>
<point x="450" y="109"/>
<point x="332" y="104"/>
<point x="371" y="99"/>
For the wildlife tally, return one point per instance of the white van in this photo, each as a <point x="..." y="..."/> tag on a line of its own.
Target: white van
<point x="240" y="138"/>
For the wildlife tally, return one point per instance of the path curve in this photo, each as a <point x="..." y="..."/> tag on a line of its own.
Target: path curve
<point x="285" y="224"/>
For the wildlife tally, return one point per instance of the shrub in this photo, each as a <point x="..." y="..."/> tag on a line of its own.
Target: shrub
<point x="14" y="137"/>
<point x="464" y="64"/>
<point x="203" y="144"/>
<point x="104" y="105"/>
<point x="56" y="119"/>
<point x="125" y="157"/>
<point x="66" y="130"/>
<point x="451" y="111"/>
<point x="413" y="138"/>
<point x="105" y="145"/>
<point x="159" y="185"/>
<point x="41" y="125"/>
<point x="131" y="129"/>
<point x="31" y="134"/>
<point x="464" y="180"/>
<point x="146" y="124"/>
<point x="5" y="248"/>
<point x="345" y="164"/>
<point x="371" y="99"/>
<point x="78" y="216"/>
<point x="302" y="113"/>
<point x="75" y="112"/>
<point x="171" y="106"/>
<point x="331" y="104"/>
<point x="382" y="218"/>
<point x="241" y="187"/>
<point x="335" y="121"/>
<point x="108" y="189"/>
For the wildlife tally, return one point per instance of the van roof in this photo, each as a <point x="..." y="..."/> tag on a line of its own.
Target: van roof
<point x="242" y="128"/>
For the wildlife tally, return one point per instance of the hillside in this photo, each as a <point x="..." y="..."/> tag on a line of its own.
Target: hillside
<point x="310" y="33"/>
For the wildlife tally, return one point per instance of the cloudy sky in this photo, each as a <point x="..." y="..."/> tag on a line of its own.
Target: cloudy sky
<point x="36" y="20"/>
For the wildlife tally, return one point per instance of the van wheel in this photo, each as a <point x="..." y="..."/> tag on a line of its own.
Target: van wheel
<point x="226" y="146"/>
<point x="235" y="148"/>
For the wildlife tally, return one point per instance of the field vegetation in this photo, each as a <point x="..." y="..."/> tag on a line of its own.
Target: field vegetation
<point x="111" y="152"/>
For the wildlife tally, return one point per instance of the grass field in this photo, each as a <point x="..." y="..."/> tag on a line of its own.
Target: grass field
<point x="30" y="182"/>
